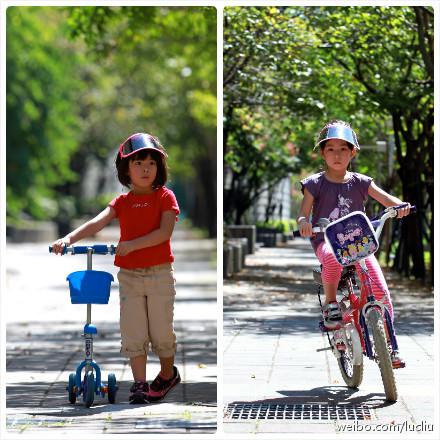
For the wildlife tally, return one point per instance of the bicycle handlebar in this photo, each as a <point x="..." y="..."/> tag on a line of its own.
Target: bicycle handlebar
<point x="101" y="249"/>
<point x="376" y="221"/>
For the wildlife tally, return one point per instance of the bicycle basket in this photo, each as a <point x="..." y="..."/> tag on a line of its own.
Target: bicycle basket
<point x="351" y="238"/>
<point x="89" y="287"/>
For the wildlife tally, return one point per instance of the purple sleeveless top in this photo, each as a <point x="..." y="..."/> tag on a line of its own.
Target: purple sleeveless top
<point x="334" y="200"/>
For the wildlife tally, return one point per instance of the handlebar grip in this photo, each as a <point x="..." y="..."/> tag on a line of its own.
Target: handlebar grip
<point x="413" y="208"/>
<point x="62" y="253"/>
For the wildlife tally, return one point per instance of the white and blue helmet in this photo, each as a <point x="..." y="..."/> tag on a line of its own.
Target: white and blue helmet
<point x="338" y="130"/>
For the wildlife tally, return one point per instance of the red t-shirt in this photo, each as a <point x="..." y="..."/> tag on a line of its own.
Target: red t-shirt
<point x="139" y="215"/>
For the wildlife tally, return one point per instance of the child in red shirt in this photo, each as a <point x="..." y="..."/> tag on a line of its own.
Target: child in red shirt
<point x="147" y="215"/>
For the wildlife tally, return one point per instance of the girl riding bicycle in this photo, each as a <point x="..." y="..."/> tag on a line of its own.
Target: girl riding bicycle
<point x="147" y="215"/>
<point x="332" y="194"/>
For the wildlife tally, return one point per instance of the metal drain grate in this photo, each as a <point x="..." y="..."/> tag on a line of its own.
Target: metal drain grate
<point x="267" y="411"/>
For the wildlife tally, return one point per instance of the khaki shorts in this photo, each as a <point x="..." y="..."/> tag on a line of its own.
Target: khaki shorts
<point x="147" y="304"/>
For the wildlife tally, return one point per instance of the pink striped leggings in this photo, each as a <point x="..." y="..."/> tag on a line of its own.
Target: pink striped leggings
<point x="331" y="273"/>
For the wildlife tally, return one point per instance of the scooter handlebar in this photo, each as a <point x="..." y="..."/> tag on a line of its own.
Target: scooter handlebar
<point x="101" y="249"/>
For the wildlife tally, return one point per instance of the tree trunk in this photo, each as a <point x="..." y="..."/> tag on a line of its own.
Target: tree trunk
<point x="410" y="247"/>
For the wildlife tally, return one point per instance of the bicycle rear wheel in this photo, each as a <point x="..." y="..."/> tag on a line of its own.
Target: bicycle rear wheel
<point x="351" y="361"/>
<point x="375" y="322"/>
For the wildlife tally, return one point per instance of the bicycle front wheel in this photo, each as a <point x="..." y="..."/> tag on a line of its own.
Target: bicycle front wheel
<point x="375" y="322"/>
<point x="351" y="360"/>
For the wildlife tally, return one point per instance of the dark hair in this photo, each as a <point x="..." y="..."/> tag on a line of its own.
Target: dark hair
<point x="162" y="168"/>
<point x="332" y="122"/>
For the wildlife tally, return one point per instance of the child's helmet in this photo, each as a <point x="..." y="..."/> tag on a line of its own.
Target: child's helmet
<point x="338" y="130"/>
<point x="140" y="141"/>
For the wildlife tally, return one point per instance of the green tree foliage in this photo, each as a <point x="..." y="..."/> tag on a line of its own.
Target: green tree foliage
<point x="389" y="52"/>
<point x="259" y="45"/>
<point x="41" y="123"/>
<point x="137" y="69"/>
<point x="165" y="63"/>
<point x="277" y="92"/>
<point x="296" y="68"/>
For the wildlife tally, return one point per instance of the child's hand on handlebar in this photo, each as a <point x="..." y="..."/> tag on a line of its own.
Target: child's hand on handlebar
<point x="59" y="245"/>
<point x="305" y="228"/>
<point x="404" y="211"/>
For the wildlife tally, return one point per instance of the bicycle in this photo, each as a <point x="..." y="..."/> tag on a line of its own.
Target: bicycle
<point x="366" y="328"/>
<point x="90" y="287"/>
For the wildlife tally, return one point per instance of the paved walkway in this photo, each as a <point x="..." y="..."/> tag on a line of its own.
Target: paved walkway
<point x="44" y="345"/>
<point x="271" y="335"/>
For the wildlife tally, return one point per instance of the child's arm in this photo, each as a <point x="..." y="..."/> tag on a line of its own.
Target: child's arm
<point x="167" y="222"/>
<point x="387" y="200"/>
<point x="85" y="230"/>
<point x="304" y="226"/>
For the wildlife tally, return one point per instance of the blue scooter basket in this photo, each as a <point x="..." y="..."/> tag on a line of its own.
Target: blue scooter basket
<point x="351" y="238"/>
<point x="90" y="287"/>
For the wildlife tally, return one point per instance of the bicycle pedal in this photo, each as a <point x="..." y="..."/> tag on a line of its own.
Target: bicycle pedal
<point x="399" y="364"/>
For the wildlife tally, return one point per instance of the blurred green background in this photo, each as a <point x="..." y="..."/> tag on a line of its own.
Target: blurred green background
<point x="288" y="70"/>
<point x="82" y="79"/>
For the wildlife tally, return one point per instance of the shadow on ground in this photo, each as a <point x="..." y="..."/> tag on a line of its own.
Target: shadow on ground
<point x="279" y="289"/>
<point x="329" y="395"/>
<point x="56" y="351"/>
<point x="28" y="396"/>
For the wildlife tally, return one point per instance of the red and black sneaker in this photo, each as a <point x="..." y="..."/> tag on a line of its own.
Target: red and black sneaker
<point x="160" y="387"/>
<point x="139" y="393"/>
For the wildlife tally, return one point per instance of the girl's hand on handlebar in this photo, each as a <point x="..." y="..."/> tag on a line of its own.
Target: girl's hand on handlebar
<point x="305" y="229"/>
<point x="403" y="212"/>
<point x="59" y="245"/>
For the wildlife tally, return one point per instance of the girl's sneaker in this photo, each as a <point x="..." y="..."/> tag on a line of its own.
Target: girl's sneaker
<point x="139" y="393"/>
<point x="160" y="387"/>
<point x="332" y="315"/>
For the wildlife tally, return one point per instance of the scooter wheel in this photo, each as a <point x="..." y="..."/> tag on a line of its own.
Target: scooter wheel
<point x="89" y="389"/>
<point x="72" y="388"/>
<point x="112" y="388"/>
